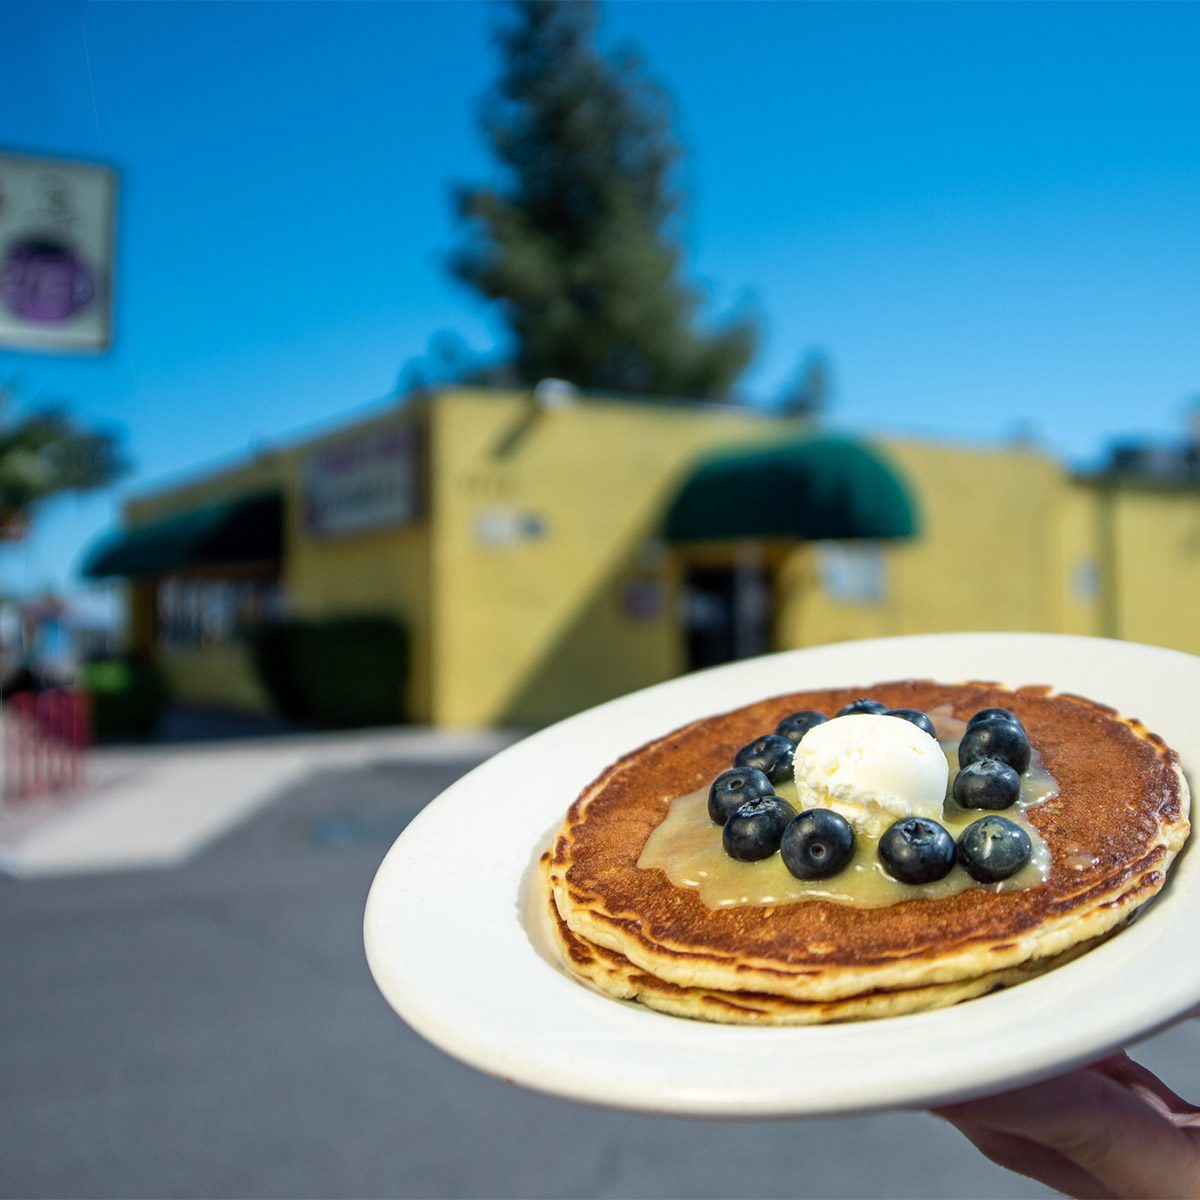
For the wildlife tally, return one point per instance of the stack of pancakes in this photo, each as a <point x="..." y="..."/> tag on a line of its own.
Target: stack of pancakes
<point x="1117" y="821"/>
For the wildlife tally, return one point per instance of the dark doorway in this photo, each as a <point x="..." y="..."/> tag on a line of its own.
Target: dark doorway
<point x="726" y="613"/>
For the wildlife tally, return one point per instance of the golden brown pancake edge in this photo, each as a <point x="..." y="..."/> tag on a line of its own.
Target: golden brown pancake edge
<point x="615" y="976"/>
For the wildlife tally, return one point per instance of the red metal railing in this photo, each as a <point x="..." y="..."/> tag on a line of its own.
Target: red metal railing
<point x="46" y="739"/>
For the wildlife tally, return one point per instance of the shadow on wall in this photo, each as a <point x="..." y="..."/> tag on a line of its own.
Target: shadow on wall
<point x="620" y="638"/>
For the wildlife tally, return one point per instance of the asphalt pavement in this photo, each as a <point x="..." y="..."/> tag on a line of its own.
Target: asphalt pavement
<point x="212" y="1030"/>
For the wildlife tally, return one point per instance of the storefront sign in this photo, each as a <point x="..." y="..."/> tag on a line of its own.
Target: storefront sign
<point x="56" y="253"/>
<point x="369" y="483"/>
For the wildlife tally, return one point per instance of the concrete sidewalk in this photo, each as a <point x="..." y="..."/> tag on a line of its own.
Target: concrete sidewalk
<point x="157" y="806"/>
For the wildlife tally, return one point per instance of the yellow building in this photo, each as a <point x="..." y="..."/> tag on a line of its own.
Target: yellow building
<point x="547" y="550"/>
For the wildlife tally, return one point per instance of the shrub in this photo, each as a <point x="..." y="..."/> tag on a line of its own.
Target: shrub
<point x="343" y="672"/>
<point x="274" y="648"/>
<point x="127" y="697"/>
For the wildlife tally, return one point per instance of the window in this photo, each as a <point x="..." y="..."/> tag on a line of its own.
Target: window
<point x="206" y="612"/>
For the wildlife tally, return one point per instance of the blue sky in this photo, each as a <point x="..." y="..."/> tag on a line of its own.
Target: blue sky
<point x="987" y="215"/>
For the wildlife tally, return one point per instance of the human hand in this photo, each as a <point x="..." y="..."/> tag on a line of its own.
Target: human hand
<point x="1109" y="1130"/>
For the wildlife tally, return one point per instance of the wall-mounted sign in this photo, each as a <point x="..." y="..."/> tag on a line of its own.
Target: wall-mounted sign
<point x="370" y="482"/>
<point x="643" y="599"/>
<point x="503" y="526"/>
<point x="56" y="253"/>
<point x="852" y="572"/>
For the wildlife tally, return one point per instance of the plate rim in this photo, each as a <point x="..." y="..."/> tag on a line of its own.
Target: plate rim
<point x="589" y="1080"/>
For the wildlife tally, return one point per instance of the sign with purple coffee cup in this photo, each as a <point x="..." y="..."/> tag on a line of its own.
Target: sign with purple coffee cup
<point x="56" y="254"/>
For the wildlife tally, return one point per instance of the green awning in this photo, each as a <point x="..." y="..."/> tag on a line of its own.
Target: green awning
<point x="243" y="530"/>
<point x="824" y="487"/>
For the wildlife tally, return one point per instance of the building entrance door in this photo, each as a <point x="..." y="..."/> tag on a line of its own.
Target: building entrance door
<point x="727" y="613"/>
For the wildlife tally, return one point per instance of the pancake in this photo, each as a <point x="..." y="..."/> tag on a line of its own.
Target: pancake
<point x="1119" y="818"/>
<point x="616" y="976"/>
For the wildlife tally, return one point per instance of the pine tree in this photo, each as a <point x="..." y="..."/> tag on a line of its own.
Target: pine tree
<point x="811" y="389"/>
<point x="578" y="247"/>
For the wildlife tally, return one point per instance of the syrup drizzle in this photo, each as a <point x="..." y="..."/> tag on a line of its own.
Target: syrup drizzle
<point x="687" y="847"/>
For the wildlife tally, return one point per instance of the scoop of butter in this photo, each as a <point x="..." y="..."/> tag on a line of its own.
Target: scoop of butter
<point x="873" y="770"/>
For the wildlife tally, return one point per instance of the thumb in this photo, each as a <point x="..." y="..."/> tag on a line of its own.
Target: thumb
<point x="1093" y="1121"/>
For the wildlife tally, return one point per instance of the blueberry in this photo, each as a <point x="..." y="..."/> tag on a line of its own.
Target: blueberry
<point x="919" y="719"/>
<point x="799" y="723"/>
<point x="993" y="848"/>
<point x="987" y="783"/>
<point x="995" y="738"/>
<point x="916" y="850"/>
<point x="994" y="714"/>
<point x="733" y="788"/>
<point x="818" y="843"/>
<point x="754" y="829"/>
<point x="862" y="705"/>
<point x="771" y="754"/>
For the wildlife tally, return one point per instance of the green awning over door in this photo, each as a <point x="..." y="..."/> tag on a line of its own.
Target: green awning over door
<point x="244" y="530"/>
<point x="823" y="487"/>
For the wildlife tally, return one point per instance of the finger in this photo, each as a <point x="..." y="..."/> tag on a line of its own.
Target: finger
<point x="1147" y="1085"/>
<point x="1093" y="1121"/>
<point x="1035" y="1162"/>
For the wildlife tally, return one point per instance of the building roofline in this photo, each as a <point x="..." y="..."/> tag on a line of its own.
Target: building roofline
<point x="1107" y="477"/>
<point x="350" y="421"/>
<point x="182" y="479"/>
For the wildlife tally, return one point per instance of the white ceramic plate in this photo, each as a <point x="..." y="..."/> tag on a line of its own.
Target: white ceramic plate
<point x="449" y="949"/>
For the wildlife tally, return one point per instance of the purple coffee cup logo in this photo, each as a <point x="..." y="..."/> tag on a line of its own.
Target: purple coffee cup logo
<point x="43" y="279"/>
